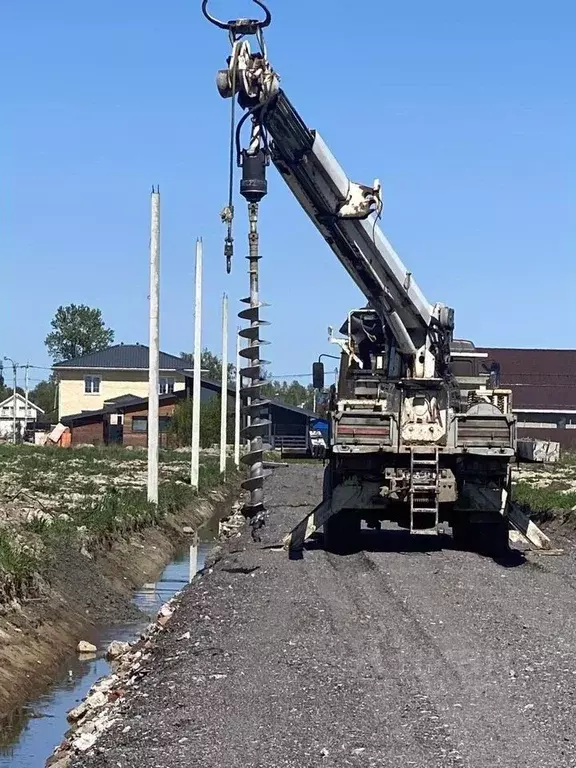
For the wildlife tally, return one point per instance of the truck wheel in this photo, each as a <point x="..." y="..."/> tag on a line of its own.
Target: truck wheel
<point x="461" y="535"/>
<point x="487" y="538"/>
<point x="492" y="538"/>
<point x="342" y="532"/>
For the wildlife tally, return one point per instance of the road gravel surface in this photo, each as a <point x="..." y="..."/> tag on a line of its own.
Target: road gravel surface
<point x="408" y="653"/>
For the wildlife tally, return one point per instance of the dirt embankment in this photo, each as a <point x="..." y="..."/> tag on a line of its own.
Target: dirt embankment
<point x="79" y="590"/>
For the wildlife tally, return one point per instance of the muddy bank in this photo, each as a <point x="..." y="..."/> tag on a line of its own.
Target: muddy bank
<point x="79" y="590"/>
<point x="562" y="521"/>
<point x="90" y="717"/>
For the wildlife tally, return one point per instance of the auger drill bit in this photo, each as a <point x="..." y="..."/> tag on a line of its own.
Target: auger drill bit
<point x="256" y="408"/>
<point x="232" y="83"/>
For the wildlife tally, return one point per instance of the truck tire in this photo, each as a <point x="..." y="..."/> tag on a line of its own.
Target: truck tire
<point x="461" y="535"/>
<point x="488" y="538"/>
<point x="342" y="532"/>
<point x="492" y="538"/>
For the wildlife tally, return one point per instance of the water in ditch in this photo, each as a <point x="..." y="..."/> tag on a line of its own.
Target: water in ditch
<point x="34" y="730"/>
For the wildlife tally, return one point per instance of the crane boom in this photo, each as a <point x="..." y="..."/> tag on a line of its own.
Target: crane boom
<point x="346" y="213"/>
<point x="322" y="188"/>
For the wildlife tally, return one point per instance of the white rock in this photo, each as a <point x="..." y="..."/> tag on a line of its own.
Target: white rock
<point x="85" y="741"/>
<point x="78" y="712"/>
<point x="85" y="647"/>
<point x="165" y="611"/>
<point x="96" y="700"/>
<point x="38" y="514"/>
<point x="116" y="649"/>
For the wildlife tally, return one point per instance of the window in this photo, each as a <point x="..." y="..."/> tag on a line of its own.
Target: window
<point x="91" y="385"/>
<point x="140" y="424"/>
<point x="166" y="386"/>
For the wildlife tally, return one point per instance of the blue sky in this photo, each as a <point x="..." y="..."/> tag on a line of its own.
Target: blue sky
<point x="465" y="111"/>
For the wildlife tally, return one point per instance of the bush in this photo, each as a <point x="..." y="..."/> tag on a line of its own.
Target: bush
<point x="180" y="430"/>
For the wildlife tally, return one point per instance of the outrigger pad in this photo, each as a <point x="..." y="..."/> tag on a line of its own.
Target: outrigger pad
<point x="520" y="520"/>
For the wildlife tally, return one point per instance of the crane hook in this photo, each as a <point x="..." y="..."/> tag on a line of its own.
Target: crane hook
<point x="240" y="27"/>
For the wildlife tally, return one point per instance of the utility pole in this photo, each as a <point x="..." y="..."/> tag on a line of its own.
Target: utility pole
<point x="25" y="400"/>
<point x="154" y="350"/>
<point x="197" y="371"/>
<point x="14" y="396"/>
<point x="237" y="404"/>
<point x="224" y="389"/>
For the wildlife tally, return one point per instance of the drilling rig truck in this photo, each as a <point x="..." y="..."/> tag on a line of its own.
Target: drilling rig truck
<point x="418" y="435"/>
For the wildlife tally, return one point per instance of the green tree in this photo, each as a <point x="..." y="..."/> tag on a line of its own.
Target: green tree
<point x="44" y="396"/>
<point x="211" y="365"/>
<point x="181" y="423"/>
<point x="77" y="330"/>
<point x="292" y="393"/>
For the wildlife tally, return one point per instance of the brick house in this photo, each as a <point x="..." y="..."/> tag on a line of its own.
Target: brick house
<point x="124" y="420"/>
<point x="543" y="384"/>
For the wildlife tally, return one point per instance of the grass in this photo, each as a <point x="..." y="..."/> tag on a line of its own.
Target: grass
<point x="542" y="499"/>
<point x="101" y="491"/>
<point x="13" y="560"/>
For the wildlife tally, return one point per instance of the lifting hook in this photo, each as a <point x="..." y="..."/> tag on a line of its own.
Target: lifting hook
<point x="240" y="27"/>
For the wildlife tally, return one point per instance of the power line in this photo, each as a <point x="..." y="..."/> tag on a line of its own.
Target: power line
<point x="296" y="375"/>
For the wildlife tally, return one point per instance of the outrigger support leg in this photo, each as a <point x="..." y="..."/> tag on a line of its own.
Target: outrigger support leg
<point x="341" y="497"/>
<point x="294" y="541"/>
<point x="519" y="520"/>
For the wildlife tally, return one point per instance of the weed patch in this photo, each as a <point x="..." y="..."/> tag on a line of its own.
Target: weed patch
<point x="542" y="499"/>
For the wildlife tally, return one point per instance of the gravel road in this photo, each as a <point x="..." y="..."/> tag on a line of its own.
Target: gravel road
<point x="407" y="654"/>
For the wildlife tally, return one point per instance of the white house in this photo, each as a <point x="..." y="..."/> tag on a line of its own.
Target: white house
<point x="22" y="417"/>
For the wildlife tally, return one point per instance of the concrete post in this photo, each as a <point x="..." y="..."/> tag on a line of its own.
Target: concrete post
<point x="197" y="371"/>
<point x="237" y="405"/>
<point x="224" y="389"/>
<point x="154" y="350"/>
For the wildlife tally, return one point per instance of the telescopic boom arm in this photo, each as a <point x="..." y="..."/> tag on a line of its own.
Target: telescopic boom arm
<point x="344" y="212"/>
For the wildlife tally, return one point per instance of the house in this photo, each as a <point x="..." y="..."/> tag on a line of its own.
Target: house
<point x="543" y="384"/>
<point x="124" y="420"/>
<point x="90" y="382"/>
<point x="23" y="416"/>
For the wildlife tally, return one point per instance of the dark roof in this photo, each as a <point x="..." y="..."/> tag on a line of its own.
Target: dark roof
<point x="215" y="386"/>
<point x="130" y="402"/>
<point x="540" y="379"/>
<point x="293" y="408"/>
<point x="121" y="399"/>
<point x="124" y="356"/>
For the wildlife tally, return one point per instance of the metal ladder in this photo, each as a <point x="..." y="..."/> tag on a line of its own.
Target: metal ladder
<point x="423" y="491"/>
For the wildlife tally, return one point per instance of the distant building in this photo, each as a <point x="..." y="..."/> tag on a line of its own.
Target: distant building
<point x="88" y="382"/>
<point x="124" y="420"/>
<point x="23" y="416"/>
<point x="543" y="384"/>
